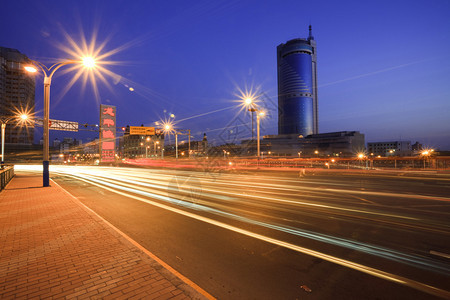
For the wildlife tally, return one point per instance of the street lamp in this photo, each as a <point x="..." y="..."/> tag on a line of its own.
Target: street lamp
<point x="176" y="144"/>
<point x="88" y="62"/>
<point x="426" y="153"/>
<point x="258" y="117"/>
<point x="249" y="102"/>
<point x="4" y="120"/>
<point x="155" y="143"/>
<point x="251" y="108"/>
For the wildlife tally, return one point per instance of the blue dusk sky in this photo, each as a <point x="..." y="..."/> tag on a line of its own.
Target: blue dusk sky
<point x="383" y="66"/>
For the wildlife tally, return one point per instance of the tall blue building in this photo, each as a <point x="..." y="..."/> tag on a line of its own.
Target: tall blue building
<point x="297" y="87"/>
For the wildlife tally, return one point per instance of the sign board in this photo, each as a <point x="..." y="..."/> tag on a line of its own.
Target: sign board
<point x="141" y="130"/>
<point x="107" y="133"/>
<point x="58" y="125"/>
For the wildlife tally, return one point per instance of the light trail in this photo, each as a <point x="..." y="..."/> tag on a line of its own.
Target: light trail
<point x="143" y="185"/>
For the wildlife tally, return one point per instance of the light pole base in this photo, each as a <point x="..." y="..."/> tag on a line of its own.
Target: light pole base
<point x="46" y="174"/>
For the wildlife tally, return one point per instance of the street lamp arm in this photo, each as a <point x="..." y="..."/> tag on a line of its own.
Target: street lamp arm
<point x="40" y="65"/>
<point x="48" y="72"/>
<point x="56" y="66"/>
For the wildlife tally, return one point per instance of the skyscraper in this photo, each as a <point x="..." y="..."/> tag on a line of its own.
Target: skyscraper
<point x="297" y="87"/>
<point x="16" y="93"/>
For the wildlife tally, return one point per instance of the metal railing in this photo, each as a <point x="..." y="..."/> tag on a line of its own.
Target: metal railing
<point x="6" y="174"/>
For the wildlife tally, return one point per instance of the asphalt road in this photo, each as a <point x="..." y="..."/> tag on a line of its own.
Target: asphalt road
<point x="282" y="235"/>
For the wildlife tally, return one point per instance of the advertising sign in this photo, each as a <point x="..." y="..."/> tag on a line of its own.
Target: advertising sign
<point x="141" y="130"/>
<point x="58" y="125"/>
<point x="107" y="133"/>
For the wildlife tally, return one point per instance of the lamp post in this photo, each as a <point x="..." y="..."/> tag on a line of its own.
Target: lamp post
<point x="4" y="120"/>
<point x="156" y="153"/>
<point x="258" y="143"/>
<point x="48" y="74"/>
<point x="249" y="103"/>
<point x="176" y="144"/>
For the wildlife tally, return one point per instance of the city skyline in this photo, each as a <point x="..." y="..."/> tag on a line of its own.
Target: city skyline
<point x="383" y="69"/>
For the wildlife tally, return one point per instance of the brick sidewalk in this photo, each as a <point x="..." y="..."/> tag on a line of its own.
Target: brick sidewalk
<point x="51" y="246"/>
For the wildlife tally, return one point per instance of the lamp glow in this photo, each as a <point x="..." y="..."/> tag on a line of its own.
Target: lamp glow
<point x="88" y="62"/>
<point x="30" y="69"/>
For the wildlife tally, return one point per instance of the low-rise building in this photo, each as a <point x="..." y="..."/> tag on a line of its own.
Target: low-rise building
<point x="393" y="148"/>
<point x="341" y="143"/>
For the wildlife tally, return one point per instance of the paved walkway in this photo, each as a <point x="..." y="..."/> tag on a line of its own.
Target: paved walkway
<point x="52" y="246"/>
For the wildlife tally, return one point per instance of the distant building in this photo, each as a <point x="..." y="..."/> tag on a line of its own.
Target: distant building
<point x="16" y="94"/>
<point x="196" y="148"/>
<point x="69" y="145"/>
<point x="297" y="87"/>
<point x="396" y="148"/>
<point x="416" y="148"/>
<point x="56" y="143"/>
<point x="141" y="146"/>
<point x="199" y="148"/>
<point x="342" y="143"/>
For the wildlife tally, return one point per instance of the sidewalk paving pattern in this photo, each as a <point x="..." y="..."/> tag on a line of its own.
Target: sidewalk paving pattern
<point x="51" y="246"/>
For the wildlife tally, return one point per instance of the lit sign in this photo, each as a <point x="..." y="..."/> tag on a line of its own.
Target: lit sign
<point x="107" y="133"/>
<point x="141" y="130"/>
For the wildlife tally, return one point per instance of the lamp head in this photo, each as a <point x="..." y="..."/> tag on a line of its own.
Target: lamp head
<point x="30" y="69"/>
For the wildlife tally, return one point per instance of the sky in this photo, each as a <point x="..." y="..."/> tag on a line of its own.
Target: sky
<point x="383" y="66"/>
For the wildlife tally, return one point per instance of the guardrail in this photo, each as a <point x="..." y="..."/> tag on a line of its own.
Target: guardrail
<point x="6" y="174"/>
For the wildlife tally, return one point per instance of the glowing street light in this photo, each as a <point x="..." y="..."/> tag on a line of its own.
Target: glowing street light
<point x="249" y="102"/>
<point x="88" y="62"/>
<point x="156" y="143"/>
<point x="426" y="153"/>
<point x="4" y="120"/>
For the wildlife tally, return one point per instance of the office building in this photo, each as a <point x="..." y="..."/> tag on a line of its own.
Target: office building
<point x="342" y="144"/>
<point x="394" y="148"/>
<point x="16" y="94"/>
<point x="297" y="87"/>
<point x="141" y="146"/>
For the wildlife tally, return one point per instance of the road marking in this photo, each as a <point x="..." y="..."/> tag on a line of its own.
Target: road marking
<point x="439" y="254"/>
<point x="343" y="262"/>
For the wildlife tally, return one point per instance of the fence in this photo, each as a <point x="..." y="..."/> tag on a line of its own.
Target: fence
<point x="6" y="174"/>
<point x="404" y="163"/>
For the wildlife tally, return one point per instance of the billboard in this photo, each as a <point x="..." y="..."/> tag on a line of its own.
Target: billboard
<point x="57" y="125"/>
<point x="107" y="133"/>
<point x="141" y="130"/>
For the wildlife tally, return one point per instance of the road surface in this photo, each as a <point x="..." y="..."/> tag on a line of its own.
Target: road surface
<point x="282" y="235"/>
